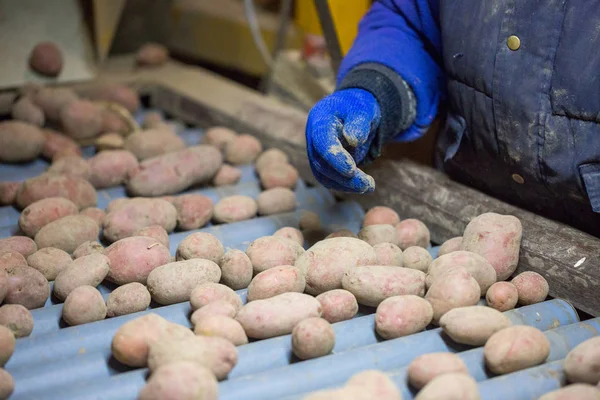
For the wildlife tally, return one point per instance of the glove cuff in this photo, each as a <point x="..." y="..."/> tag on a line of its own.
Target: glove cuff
<point x="396" y="101"/>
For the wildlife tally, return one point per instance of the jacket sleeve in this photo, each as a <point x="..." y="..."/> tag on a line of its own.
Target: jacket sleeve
<point x="397" y="57"/>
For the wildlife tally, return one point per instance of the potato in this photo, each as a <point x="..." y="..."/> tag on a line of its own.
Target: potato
<point x="381" y="215"/>
<point x="18" y="244"/>
<point x="454" y="288"/>
<point x="12" y="259"/>
<point x="152" y="54"/>
<point x="416" y="257"/>
<point x="20" y="141"/>
<point x="116" y="93"/>
<point x="132" y="259"/>
<point x="26" y="110"/>
<point x="46" y="59"/>
<point x="270" y="251"/>
<point x="200" y="245"/>
<point x="193" y="211"/>
<point x="309" y="221"/>
<point x="450" y="245"/>
<point x="42" y="212"/>
<point x="49" y="261"/>
<point x="368" y="384"/>
<point x="338" y="305"/>
<point x="219" y="136"/>
<point x="73" y="165"/>
<point x="243" y="149"/>
<point x="404" y="315"/>
<point x="473" y="325"/>
<point x="582" y="364"/>
<point x="412" y="232"/>
<point x="325" y="263"/>
<point x="81" y="119"/>
<point x="152" y="119"/>
<point x="17" y="318"/>
<point x="173" y="282"/>
<point x="375" y="234"/>
<point x="26" y="286"/>
<point x="109" y="141"/>
<point x="236" y="269"/>
<point x="221" y="326"/>
<point x="113" y="122"/>
<point x="235" y="208"/>
<point x="153" y="142"/>
<point x="176" y="171"/>
<point x="95" y="213"/>
<point x="531" y="287"/>
<point x="7" y="344"/>
<point x="131" y="343"/>
<point x="52" y="100"/>
<point x="111" y="168"/>
<point x="118" y="203"/>
<point x="155" y="232"/>
<point x="376" y="382"/>
<point x="218" y="307"/>
<point x="275" y="201"/>
<point x="427" y="367"/>
<point x="502" y="296"/>
<point x="83" y="305"/>
<point x="210" y="292"/>
<point x="479" y="268"/>
<point x="137" y="214"/>
<point x="451" y="386"/>
<point x="78" y="190"/>
<point x="57" y="142"/>
<point x="8" y="192"/>
<point x="342" y="233"/>
<point x="227" y="175"/>
<point x="85" y="271"/>
<point x="578" y="391"/>
<point x="215" y="353"/>
<point x="181" y="380"/>
<point x="87" y="248"/>
<point x="269" y="157"/>
<point x="389" y="254"/>
<point x="277" y="315"/>
<point x="127" y="299"/>
<point x="290" y="233"/>
<point x="7" y="384"/>
<point x="497" y="238"/>
<point x="67" y="233"/>
<point x="278" y="175"/>
<point x="373" y="284"/>
<point x="515" y="348"/>
<point x="312" y="337"/>
<point x="274" y="281"/>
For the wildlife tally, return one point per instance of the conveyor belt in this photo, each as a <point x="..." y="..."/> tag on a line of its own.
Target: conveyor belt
<point x="60" y="362"/>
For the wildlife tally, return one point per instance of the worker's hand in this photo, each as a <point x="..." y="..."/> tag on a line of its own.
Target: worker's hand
<point x="339" y="131"/>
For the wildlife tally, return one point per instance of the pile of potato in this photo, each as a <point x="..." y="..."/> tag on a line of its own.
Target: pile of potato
<point x="290" y="290"/>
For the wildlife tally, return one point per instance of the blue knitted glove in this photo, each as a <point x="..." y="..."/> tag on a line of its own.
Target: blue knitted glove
<point x="339" y="131"/>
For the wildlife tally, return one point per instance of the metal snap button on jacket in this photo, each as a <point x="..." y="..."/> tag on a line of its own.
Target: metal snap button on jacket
<point x="518" y="178"/>
<point x="513" y="42"/>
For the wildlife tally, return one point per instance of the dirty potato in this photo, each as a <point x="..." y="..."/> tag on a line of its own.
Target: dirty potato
<point x="200" y="245"/>
<point x="83" y="305"/>
<point x="473" y="325"/>
<point x="127" y="299"/>
<point x="381" y="215"/>
<point x="312" y="337"/>
<point x="399" y="316"/>
<point x="497" y="238"/>
<point x="84" y="271"/>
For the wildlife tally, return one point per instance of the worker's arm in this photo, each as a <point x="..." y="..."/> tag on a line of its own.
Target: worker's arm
<point x="389" y="86"/>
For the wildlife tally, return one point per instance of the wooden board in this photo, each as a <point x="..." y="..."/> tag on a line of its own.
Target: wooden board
<point x="568" y="258"/>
